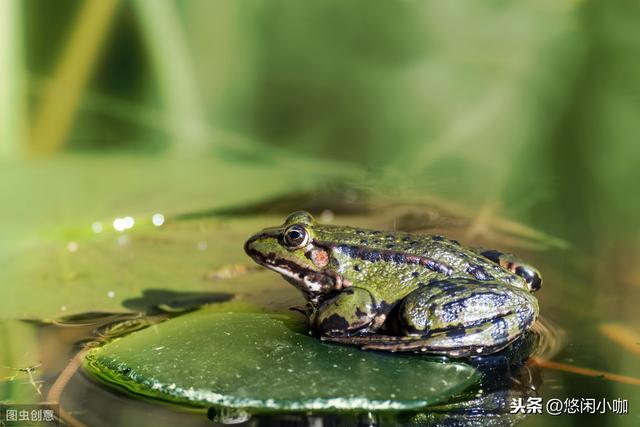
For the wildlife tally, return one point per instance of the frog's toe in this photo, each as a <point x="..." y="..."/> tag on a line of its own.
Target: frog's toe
<point x="463" y="342"/>
<point x="478" y="340"/>
<point x="376" y="342"/>
<point x="300" y="309"/>
<point x="434" y="345"/>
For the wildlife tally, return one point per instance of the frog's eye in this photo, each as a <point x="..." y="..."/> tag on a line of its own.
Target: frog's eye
<point x="296" y="237"/>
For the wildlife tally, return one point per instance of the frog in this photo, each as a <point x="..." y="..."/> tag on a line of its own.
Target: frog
<point x="399" y="291"/>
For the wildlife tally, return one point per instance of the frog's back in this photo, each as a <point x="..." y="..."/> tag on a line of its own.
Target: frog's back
<point x="443" y="256"/>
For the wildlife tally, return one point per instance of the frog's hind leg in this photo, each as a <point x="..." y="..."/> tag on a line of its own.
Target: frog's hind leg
<point x="515" y="265"/>
<point x="467" y="316"/>
<point x="457" y="318"/>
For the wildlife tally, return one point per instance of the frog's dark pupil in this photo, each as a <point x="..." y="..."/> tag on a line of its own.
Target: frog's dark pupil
<point x="294" y="235"/>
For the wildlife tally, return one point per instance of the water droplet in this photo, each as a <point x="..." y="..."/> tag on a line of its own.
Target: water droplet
<point x="121" y="224"/>
<point x="129" y="222"/>
<point x="157" y="219"/>
<point x="118" y="224"/>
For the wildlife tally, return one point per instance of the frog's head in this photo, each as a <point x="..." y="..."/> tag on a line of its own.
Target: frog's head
<point x="291" y="250"/>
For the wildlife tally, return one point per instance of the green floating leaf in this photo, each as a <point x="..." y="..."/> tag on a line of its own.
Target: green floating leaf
<point x="263" y="363"/>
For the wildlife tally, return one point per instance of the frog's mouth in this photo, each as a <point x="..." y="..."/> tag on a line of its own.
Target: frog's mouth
<point x="310" y="282"/>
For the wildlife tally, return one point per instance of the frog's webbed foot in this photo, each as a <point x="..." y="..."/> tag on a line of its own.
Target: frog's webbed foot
<point x="437" y="344"/>
<point x="515" y="265"/>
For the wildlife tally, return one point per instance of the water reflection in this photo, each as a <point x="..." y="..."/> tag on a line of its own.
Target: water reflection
<point x="157" y="219"/>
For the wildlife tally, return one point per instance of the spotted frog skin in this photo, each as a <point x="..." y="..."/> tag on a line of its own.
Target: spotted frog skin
<point x="398" y="291"/>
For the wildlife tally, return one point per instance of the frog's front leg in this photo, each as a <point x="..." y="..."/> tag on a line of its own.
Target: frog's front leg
<point x="352" y="311"/>
<point x="510" y="262"/>
<point x="457" y="318"/>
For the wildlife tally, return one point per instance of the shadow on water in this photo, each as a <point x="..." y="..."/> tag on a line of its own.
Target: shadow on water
<point x="162" y="300"/>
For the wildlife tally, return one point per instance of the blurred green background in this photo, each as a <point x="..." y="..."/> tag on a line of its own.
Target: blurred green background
<point x="528" y="111"/>
<point x="531" y="106"/>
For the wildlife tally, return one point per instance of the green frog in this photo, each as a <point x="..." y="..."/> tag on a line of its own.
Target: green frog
<point x="397" y="291"/>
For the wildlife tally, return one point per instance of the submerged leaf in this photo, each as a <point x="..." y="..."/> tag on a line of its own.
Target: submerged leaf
<point x="263" y="363"/>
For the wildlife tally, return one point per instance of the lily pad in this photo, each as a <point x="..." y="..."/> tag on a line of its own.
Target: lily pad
<point x="261" y="363"/>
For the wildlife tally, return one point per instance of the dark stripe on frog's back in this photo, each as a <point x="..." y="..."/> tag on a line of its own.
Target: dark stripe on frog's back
<point x="357" y="242"/>
<point x="396" y="257"/>
<point x="397" y="247"/>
